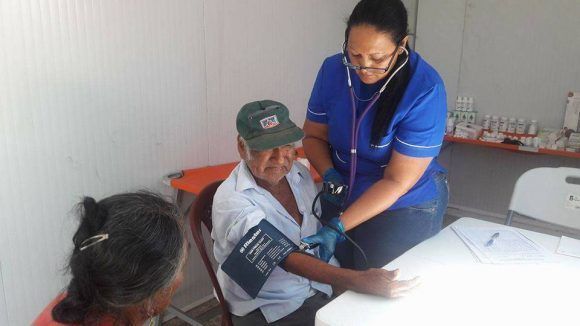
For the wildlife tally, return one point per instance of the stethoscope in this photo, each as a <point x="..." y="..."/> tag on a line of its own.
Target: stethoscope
<point x="356" y="123"/>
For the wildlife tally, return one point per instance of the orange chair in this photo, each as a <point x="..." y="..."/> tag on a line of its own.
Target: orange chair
<point x="201" y="213"/>
<point x="45" y="317"/>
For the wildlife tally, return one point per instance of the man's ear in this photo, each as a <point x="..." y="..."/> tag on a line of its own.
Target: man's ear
<point x="241" y="147"/>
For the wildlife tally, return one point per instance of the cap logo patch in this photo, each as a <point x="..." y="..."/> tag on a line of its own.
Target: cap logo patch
<point x="269" y="122"/>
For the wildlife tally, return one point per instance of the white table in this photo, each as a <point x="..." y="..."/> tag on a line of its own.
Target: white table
<point x="458" y="290"/>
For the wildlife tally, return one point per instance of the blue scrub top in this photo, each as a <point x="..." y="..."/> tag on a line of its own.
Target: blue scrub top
<point x="416" y="129"/>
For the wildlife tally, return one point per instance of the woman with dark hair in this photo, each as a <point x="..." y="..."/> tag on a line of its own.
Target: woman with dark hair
<point x="129" y="251"/>
<point x="375" y="122"/>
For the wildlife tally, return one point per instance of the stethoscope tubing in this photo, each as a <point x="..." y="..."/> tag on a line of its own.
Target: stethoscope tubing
<point x="356" y="123"/>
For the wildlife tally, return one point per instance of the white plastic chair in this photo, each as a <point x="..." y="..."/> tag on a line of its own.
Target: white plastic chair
<point x="545" y="194"/>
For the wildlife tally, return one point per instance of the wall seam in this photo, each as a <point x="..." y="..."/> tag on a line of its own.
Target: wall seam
<point x="206" y="101"/>
<point x="462" y="41"/>
<point x="3" y="303"/>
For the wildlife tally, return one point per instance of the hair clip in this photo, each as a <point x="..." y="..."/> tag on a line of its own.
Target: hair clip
<point x="93" y="240"/>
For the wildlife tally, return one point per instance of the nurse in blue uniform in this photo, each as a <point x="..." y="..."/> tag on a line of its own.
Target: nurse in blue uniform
<point x="375" y="122"/>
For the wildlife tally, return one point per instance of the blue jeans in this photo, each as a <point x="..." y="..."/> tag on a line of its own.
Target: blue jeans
<point x="389" y="234"/>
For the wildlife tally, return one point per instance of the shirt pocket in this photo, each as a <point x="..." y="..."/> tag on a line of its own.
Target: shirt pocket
<point x="381" y="153"/>
<point x="385" y="143"/>
<point x="341" y="161"/>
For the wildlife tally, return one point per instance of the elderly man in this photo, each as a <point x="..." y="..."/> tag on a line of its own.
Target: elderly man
<point x="269" y="184"/>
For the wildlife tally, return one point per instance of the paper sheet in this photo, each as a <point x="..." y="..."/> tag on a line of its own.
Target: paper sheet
<point x="510" y="247"/>
<point x="569" y="247"/>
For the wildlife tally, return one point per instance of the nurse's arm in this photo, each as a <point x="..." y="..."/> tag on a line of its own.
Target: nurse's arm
<point x="375" y="281"/>
<point x="316" y="145"/>
<point x="399" y="177"/>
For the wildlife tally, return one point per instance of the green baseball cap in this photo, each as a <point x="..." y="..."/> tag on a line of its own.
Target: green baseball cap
<point x="266" y="124"/>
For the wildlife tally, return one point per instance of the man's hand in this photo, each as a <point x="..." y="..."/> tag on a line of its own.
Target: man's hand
<point x="382" y="282"/>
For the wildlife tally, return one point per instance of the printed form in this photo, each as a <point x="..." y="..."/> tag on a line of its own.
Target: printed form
<point x="501" y="245"/>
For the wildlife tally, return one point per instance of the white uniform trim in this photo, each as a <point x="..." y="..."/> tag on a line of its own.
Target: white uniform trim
<point x="315" y="113"/>
<point x="338" y="157"/>
<point x="381" y="146"/>
<point x="417" y="146"/>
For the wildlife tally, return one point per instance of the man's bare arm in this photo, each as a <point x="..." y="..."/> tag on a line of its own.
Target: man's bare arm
<point x="373" y="281"/>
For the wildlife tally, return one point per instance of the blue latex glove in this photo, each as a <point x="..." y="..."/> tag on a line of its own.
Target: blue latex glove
<point x="327" y="238"/>
<point x="333" y="176"/>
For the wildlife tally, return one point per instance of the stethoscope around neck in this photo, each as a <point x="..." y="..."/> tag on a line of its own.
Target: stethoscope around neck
<point x="356" y="123"/>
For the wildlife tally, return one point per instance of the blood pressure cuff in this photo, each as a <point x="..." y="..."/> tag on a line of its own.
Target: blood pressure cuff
<point x="254" y="258"/>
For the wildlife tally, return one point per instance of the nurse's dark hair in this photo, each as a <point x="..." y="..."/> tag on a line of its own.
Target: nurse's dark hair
<point x="389" y="17"/>
<point x="142" y="255"/>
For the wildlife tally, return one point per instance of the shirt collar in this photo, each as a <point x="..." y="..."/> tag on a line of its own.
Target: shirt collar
<point x="246" y="179"/>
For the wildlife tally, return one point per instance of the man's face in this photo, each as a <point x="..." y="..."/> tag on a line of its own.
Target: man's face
<point x="271" y="165"/>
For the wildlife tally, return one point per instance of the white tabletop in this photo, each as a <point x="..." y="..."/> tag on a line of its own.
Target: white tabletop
<point x="458" y="290"/>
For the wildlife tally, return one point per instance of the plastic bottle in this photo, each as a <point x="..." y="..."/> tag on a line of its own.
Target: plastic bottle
<point x="521" y="128"/>
<point x="494" y="123"/>
<point x="536" y="142"/>
<point x="458" y="104"/>
<point x="503" y="124"/>
<point x="450" y="126"/>
<point x="469" y="106"/>
<point x="486" y="121"/>
<point x="512" y="125"/>
<point x="533" y="128"/>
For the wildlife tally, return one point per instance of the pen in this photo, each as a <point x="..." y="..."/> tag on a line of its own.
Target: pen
<point x="492" y="239"/>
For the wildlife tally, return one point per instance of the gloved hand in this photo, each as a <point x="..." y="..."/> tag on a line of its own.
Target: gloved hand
<point x="327" y="237"/>
<point x="333" y="176"/>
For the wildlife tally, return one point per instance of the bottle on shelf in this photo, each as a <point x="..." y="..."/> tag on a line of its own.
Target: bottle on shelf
<point x="512" y="125"/>
<point x="521" y="127"/>
<point x="450" y="125"/>
<point x="533" y="128"/>
<point x="494" y="123"/>
<point x="469" y="106"/>
<point x="503" y="124"/>
<point x="486" y="121"/>
<point x="459" y="103"/>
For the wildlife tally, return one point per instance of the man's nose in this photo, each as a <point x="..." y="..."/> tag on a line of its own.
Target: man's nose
<point x="278" y="156"/>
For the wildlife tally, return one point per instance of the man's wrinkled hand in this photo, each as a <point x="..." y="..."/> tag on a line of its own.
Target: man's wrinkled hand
<point x="384" y="283"/>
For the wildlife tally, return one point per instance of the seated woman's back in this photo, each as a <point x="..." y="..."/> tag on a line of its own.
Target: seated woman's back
<point x="126" y="264"/>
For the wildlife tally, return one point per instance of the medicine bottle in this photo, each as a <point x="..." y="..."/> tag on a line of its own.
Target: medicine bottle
<point x="533" y="128"/>
<point x="469" y="106"/>
<point x="450" y="126"/>
<point x="512" y="125"/>
<point x="494" y="123"/>
<point x="485" y="122"/>
<point x="521" y="128"/>
<point x="503" y="124"/>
